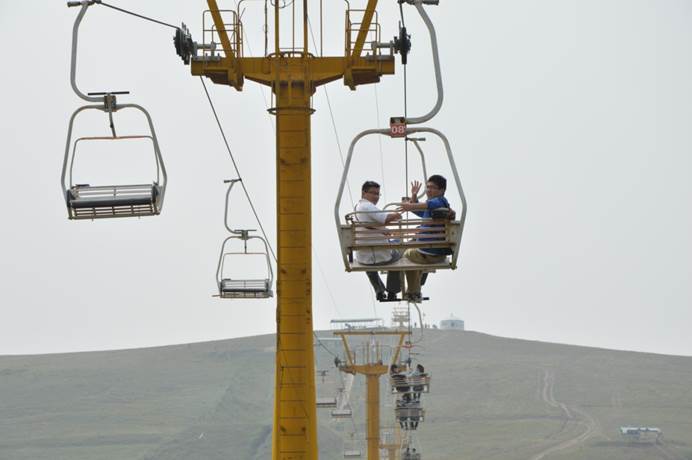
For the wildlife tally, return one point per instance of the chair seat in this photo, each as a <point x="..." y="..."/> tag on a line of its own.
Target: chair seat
<point x="249" y="289"/>
<point x="326" y="402"/>
<point x="94" y="202"/>
<point x="403" y="264"/>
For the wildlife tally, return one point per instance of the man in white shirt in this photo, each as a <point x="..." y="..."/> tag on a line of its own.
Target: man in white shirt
<point x="368" y="212"/>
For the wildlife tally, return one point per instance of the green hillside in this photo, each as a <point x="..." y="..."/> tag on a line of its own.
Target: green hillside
<point x="491" y="398"/>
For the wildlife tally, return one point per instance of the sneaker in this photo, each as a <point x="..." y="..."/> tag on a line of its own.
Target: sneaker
<point x="381" y="296"/>
<point x="391" y="296"/>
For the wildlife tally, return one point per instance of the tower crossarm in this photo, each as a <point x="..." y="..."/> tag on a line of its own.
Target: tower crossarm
<point x="314" y="70"/>
<point x="294" y="66"/>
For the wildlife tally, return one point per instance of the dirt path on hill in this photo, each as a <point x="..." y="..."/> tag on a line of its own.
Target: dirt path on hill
<point x="571" y="415"/>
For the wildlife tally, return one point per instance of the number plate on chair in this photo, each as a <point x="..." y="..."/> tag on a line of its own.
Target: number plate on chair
<point x="397" y="127"/>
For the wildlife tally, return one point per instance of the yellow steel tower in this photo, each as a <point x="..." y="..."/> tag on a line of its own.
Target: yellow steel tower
<point x="373" y="364"/>
<point x="294" y="76"/>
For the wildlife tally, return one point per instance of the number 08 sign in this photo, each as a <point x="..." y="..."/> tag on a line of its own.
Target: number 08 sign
<point x="397" y="127"/>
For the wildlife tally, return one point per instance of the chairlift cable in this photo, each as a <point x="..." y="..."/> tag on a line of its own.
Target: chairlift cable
<point x="379" y="141"/>
<point x="141" y="16"/>
<point x="237" y="171"/>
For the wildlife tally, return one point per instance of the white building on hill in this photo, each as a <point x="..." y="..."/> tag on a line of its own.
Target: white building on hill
<point x="453" y="323"/>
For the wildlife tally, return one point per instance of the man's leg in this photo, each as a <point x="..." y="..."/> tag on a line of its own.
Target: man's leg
<point x="393" y="278"/>
<point x="376" y="282"/>
<point x="424" y="278"/>
<point x="413" y="277"/>
<point x="394" y="283"/>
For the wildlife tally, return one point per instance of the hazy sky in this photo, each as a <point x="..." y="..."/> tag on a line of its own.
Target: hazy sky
<point x="570" y="122"/>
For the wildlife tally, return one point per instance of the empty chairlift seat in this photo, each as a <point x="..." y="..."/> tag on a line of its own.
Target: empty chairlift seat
<point x="94" y="202"/>
<point x="251" y="288"/>
<point x="326" y="403"/>
<point x="352" y="448"/>
<point x="89" y="201"/>
<point x="353" y="453"/>
<point x="342" y="413"/>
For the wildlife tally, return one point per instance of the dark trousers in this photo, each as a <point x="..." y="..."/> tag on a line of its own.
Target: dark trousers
<point x="393" y="282"/>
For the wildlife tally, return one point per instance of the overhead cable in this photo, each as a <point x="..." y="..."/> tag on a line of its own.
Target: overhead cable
<point x="141" y="16"/>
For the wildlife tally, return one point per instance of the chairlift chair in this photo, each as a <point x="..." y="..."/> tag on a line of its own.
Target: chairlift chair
<point x="326" y="403"/>
<point x="352" y="448"/>
<point x="91" y="201"/>
<point x="410" y="455"/>
<point x="409" y="413"/>
<point x="353" y="453"/>
<point x="410" y="384"/>
<point x="87" y="201"/>
<point x="342" y="413"/>
<point x="242" y="288"/>
<point x="437" y="232"/>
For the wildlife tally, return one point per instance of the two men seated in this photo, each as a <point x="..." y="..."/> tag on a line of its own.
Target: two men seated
<point x="366" y="211"/>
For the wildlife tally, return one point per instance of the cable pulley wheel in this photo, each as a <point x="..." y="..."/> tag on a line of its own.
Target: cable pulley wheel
<point x="402" y="44"/>
<point x="184" y="46"/>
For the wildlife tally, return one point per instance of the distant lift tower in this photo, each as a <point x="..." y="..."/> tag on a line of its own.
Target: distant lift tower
<point x="293" y="75"/>
<point x="372" y="360"/>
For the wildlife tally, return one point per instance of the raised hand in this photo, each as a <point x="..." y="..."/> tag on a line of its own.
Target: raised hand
<point x="415" y="188"/>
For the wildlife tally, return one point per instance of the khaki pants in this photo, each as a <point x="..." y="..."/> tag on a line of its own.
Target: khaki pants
<point x="413" y="276"/>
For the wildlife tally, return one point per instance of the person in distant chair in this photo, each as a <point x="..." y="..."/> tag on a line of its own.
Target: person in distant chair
<point x="436" y="206"/>
<point x="366" y="211"/>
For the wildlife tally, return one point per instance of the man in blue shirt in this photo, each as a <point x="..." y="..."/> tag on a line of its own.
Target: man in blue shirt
<point x="436" y="206"/>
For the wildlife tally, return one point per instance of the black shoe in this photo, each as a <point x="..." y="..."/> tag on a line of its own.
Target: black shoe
<point x="381" y="296"/>
<point x="414" y="297"/>
<point x="391" y="296"/>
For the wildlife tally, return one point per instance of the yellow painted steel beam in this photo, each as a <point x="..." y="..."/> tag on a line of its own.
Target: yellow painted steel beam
<point x="322" y="70"/>
<point x="364" y="28"/>
<point x="221" y="29"/>
<point x="295" y="410"/>
<point x="230" y="62"/>
<point x="373" y="420"/>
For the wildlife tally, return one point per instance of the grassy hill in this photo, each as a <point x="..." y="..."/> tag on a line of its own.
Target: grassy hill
<point x="492" y="398"/>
